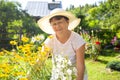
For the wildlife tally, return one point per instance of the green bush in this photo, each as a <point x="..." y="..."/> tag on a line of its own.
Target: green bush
<point x="114" y="65"/>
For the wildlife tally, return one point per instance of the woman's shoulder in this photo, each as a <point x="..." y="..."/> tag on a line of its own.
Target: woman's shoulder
<point x="75" y="35"/>
<point x="77" y="40"/>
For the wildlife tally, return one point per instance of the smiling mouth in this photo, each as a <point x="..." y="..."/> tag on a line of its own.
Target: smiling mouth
<point x="59" y="30"/>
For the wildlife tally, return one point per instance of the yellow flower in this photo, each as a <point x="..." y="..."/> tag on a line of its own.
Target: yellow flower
<point x="7" y="70"/>
<point x="26" y="50"/>
<point x="20" y="47"/>
<point x="32" y="63"/>
<point x="13" y="42"/>
<point x="18" y="57"/>
<point x="3" y="75"/>
<point x="27" y="45"/>
<point x="39" y="48"/>
<point x="25" y="39"/>
<point x="51" y="36"/>
<point x="47" y="49"/>
<point x="23" y="79"/>
<point x="37" y="38"/>
<point x="1" y="53"/>
<point x="19" y="73"/>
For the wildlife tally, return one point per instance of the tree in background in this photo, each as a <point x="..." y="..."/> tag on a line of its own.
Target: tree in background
<point x="14" y="22"/>
<point x="103" y="19"/>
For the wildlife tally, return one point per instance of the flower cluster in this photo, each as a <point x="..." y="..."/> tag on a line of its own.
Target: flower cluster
<point x="63" y="69"/>
<point x="16" y="64"/>
<point x="93" y="48"/>
<point x="93" y="45"/>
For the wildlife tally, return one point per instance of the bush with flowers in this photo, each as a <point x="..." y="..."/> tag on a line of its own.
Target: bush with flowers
<point x="18" y="63"/>
<point x="94" y="48"/>
<point x="93" y="45"/>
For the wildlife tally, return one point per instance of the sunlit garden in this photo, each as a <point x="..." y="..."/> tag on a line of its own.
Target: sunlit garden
<point x="19" y="63"/>
<point x="21" y="41"/>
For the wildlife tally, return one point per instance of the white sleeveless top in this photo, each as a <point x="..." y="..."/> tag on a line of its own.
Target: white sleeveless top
<point x="68" y="49"/>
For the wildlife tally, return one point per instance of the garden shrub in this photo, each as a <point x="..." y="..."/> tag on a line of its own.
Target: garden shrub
<point x="114" y="65"/>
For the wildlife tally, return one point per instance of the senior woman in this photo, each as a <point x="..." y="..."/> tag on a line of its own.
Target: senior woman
<point x="60" y="23"/>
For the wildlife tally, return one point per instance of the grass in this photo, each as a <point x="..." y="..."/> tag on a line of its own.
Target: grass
<point x="97" y="69"/>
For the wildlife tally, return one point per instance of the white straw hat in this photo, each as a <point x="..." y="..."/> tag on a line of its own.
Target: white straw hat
<point x="44" y="23"/>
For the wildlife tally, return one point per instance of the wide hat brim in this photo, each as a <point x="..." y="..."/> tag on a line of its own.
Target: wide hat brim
<point x="44" y="23"/>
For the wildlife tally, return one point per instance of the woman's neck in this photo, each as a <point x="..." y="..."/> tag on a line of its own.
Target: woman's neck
<point x="63" y="37"/>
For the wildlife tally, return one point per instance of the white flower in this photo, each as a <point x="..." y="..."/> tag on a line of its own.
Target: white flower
<point x="33" y="40"/>
<point x="58" y="58"/>
<point x="62" y="68"/>
<point x="69" y="72"/>
<point x="75" y="70"/>
<point x="64" y="78"/>
<point x="37" y="38"/>
<point x="69" y="63"/>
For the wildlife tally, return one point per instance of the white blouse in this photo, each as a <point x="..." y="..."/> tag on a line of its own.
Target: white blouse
<point x="68" y="49"/>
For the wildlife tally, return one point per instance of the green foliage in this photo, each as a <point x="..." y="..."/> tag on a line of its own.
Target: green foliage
<point x="76" y="11"/>
<point x="105" y="35"/>
<point x="93" y="11"/>
<point x="118" y="34"/>
<point x="104" y="16"/>
<point x="81" y="12"/>
<point x="15" y="22"/>
<point x="114" y="65"/>
<point x="111" y="12"/>
<point x="93" y="23"/>
<point x="103" y="19"/>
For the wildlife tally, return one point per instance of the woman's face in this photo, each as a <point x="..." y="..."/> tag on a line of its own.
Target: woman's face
<point x="59" y="25"/>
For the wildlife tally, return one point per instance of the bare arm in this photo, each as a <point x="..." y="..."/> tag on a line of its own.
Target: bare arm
<point x="80" y="63"/>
